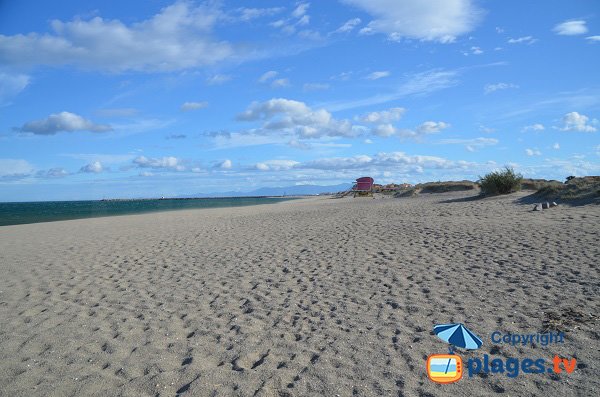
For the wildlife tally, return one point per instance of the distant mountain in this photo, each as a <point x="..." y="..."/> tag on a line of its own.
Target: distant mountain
<point x="297" y="190"/>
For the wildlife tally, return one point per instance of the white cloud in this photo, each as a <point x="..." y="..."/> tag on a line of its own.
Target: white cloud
<point x="385" y="130"/>
<point x="385" y="116"/>
<point x="187" y="106"/>
<point x="522" y="40"/>
<point x="178" y="37"/>
<point x="428" y="20"/>
<point x="426" y="128"/>
<point x="248" y="14"/>
<point x="368" y="141"/>
<point x="476" y="50"/>
<point x="533" y="152"/>
<point x="593" y="38"/>
<point x="62" y="122"/>
<point x="146" y="174"/>
<point x="226" y="164"/>
<point x="489" y="88"/>
<point x="276" y="165"/>
<point x="577" y="122"/>
<point x="571" y="28"/>
<point x="556" y="146"/>
<point x="94" y="167"/>
<point x="300" y="10"/>
<point x="534" y="127"/>
<point x="423" y="83"/>
<point x="52" y="173"/>
<point x="218" y="79"/>
<point x="280" y="83"/>
<point x="431" y="127"/>
<point x="289" y="117"/>
<point x="11" y="85"/>
<point x="14" y="168"/>
<point x="267" y="76"/>
<point x="349" y="25"/>
<point x="471" y="144"/>
<point x="166" y="163"/>
<point x="378" y="75"/>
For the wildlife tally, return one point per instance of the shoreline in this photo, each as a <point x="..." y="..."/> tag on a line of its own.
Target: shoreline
<point x="46" y="211"/>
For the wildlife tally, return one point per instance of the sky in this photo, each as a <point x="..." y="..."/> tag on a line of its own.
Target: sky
<point x="113" y="99"/>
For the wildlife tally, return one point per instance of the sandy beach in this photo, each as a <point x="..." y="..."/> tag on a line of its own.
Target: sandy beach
<point x="311" y="297"/>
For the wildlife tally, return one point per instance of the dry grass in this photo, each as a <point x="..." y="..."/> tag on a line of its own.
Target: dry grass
<point x="537" y="184"/>
<point x="584" y="188"/>
<point x="437" y="187"/>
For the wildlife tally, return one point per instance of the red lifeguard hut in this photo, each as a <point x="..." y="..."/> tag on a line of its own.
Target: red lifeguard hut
<point x="363" y="187"/>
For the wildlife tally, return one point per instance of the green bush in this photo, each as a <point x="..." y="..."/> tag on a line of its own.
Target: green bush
<point x="500" y="182"/>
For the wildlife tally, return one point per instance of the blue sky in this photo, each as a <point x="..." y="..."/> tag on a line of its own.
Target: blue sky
<point x="161" y="98"/>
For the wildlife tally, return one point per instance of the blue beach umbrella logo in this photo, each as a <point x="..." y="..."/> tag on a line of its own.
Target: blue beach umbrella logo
<point x="458" y="335"/>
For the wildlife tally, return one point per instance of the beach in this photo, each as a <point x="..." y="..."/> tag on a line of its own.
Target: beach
<point x="310" y="297"/>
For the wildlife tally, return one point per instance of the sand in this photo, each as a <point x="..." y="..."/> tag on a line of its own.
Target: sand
<point x="315" y="297"/>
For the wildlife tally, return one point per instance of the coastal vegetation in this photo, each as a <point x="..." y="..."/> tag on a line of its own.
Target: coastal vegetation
<point x="500" y="182"/>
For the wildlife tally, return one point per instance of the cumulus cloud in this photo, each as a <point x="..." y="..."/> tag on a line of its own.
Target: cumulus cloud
<point x="593" y="38"/>
<point x="94" y="167"/>
<point x="426" y="128"/>
<point x="385" y="130"/>
<point x="533" y="152"/>
<point x="378" y="75"/>
<point x="571" y="28"/>
<point x="349" y="25"/>
<point x="431" y="127"/>
<point x="392" y="160"/>
<point x="225" y="164"/>
<point x="11" y="85"/>
<point x="62" y="122"/>
<point x="556" y="146"/>
<point x="165" y="163"/>
<point x="178" y="37"/>
<point x="578" y="122"/>
<point x="15" y="168"/>
<point x="534" y="127"/>
<point x="276" y="165"/>
<point x="385" y="116"/>
<point x="428" y="20"/>
<point x="296" y="118"/>
<point x="52" y="173"/>
<point x="522" y="40"/>
<point x="187" y="106"/>
<point x="489" y="88"/>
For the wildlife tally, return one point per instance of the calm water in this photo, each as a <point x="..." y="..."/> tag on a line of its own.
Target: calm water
<point x="48" y="211"/>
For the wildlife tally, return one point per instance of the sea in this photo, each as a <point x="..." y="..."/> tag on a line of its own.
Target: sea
<point x="49" y="211"/>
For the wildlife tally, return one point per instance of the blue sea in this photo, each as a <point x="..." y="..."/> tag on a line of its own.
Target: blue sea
<point x="48" y="211"/>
